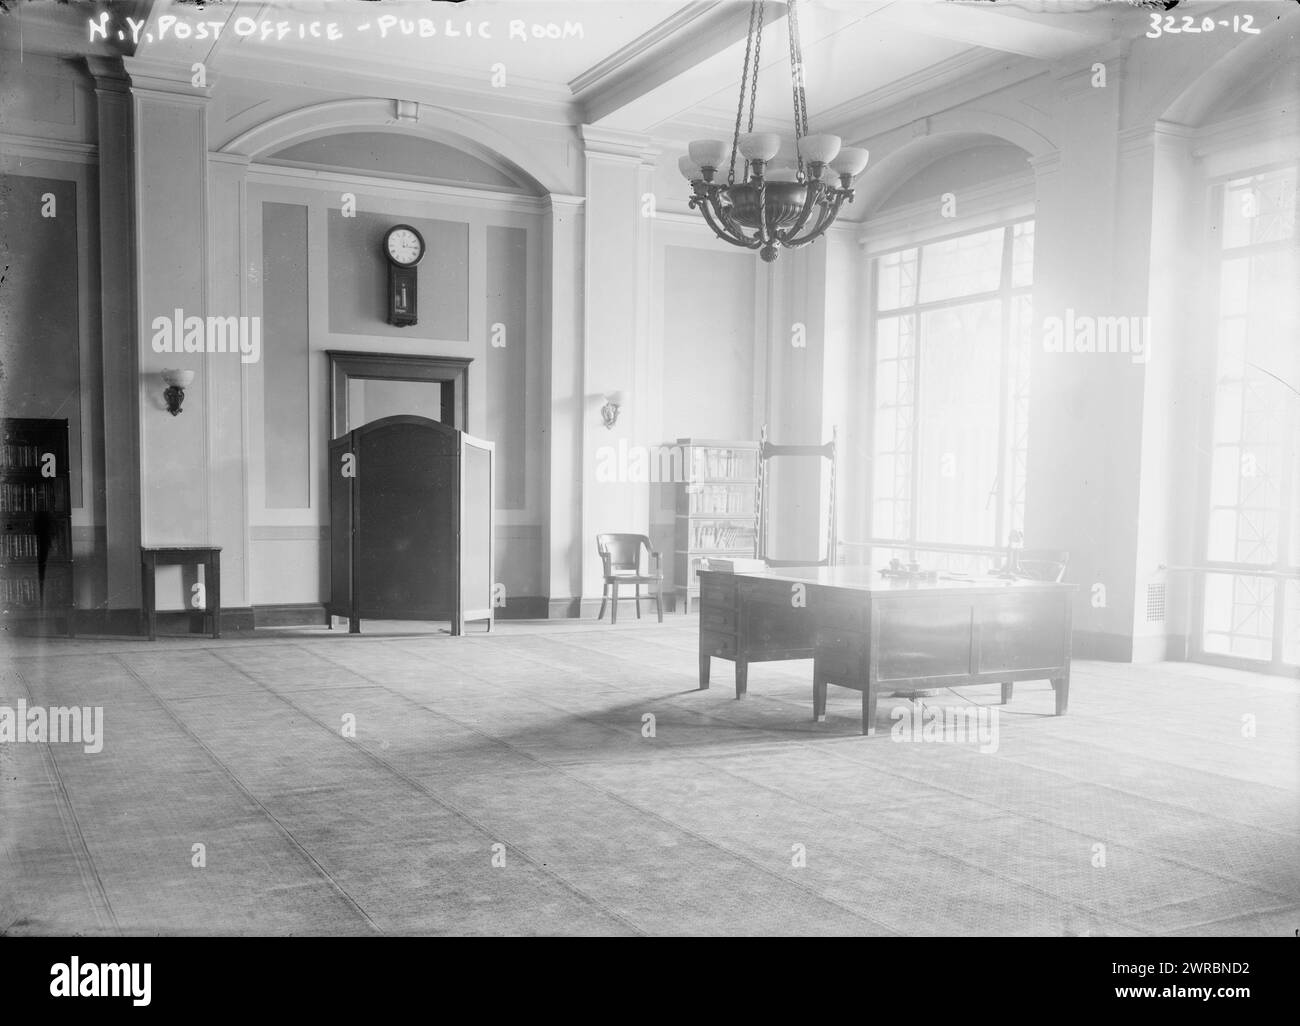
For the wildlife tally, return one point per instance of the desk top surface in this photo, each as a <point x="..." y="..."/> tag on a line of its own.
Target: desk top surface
<point x="866" y="578"/>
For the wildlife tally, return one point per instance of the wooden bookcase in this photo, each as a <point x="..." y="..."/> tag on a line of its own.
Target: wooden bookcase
<point x="716" y="512"/>
<point x="35" y="522"/>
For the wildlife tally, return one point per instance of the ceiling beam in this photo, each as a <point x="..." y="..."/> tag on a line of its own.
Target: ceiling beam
<point x="1042" y="35"/>
<point x="680" y="43"/>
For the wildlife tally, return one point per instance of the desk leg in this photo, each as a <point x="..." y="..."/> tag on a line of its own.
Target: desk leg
<point x="147" y="567"/>
<point x="214" y="593"/>
<point x="742" y="677"/>
<point x="354" y="625"/>
<point x="869" y="694"/>
<point x="705" y="662"/>
<point x="1061" y="685"/>
<point x="819" y="698"/>
<point x="1007" y="688"/>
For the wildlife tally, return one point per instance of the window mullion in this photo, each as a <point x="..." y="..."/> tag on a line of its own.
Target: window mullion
<point x="914" y="476"/>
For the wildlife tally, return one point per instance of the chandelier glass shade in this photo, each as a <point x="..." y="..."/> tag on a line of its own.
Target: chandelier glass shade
<point x="767" y="206"/>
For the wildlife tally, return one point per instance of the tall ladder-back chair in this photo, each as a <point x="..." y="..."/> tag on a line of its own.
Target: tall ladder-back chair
<point x="766" y="452"/>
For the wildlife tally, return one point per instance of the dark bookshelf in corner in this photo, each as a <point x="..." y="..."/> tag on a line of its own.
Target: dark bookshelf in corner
<point x="35" y="523"/>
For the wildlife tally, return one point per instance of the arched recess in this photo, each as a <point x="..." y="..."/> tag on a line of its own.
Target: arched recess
<point x="1219" y="85"/>
<point x="906" y="152"/>
<point x="374" y="114"/>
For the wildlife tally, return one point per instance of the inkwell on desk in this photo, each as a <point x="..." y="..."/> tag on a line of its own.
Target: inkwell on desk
<point x="898" y="570"/>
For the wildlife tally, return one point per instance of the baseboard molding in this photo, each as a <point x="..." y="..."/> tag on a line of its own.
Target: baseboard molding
<point x="1111" y="648"/>
<point x="290" y="614"/>
<point x="1160" y="648"/>
<point x="130" y="623"/>
<point x="245" y="619"/>
<point x="525" y="607"/>
<point x="588" y="608"/>
<point x="563" y="608"/>
<point x="313" y="614"/>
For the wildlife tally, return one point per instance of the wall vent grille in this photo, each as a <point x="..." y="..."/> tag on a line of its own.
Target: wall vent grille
<point x="1156" y="603"/>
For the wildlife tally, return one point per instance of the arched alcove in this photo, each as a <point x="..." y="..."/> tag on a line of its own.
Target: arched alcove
<point x="973" y="147"/>
<point x="388" y="153"/>
<point x="1260" y="69"/>
<point x="532" y="174"/>
<point x="981" y="161"/>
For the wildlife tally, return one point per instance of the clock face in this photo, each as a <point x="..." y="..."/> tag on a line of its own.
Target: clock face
<point x="404" y="245"/>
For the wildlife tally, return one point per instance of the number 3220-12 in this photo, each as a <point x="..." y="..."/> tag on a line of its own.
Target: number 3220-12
<point x="1168" y="24"/>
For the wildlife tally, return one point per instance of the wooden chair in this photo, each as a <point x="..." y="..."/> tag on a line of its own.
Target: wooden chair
<point x="620" y="555"/>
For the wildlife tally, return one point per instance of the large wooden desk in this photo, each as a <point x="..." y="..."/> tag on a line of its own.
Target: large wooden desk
<point x="871" y="634"/>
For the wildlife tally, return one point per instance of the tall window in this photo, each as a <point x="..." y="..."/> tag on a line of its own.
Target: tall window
<point x="953" y="328"/>
<point x="1251" y="605"/>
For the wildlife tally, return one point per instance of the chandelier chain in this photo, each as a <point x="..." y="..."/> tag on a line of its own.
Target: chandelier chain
<point x="797" y="84"/>
<point x="762" y="213"/>
<point x="755" y="11"/>
<point x="753" y="85"/>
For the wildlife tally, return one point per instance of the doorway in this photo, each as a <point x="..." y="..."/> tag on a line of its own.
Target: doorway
<point x="365" y="387"/>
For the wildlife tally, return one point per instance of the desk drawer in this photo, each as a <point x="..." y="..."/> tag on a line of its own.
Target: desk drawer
<point x="840" y="654"/>
<point x="840" y="667"/>
<point x="712" y="643"/>
<point x="716" y="593"/>
<point x="717" y="618"/>
<point x="849" y="616"/>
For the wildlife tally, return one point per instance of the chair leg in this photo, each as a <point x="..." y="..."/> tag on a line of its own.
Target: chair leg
<point x="604" y="601"/>
<point x="638" y="600"/>
<point x="659" y="603"/>
<point x="613" y="608"/>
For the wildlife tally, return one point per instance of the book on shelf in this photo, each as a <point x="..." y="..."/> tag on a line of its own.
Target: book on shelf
<point x="19" y="457"/>
<point x="25" y="498"/>
<point x="721" y="536"/>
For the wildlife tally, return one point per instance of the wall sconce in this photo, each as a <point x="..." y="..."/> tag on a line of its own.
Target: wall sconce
<point x="614" y="402"/>
<point x="176" y="381"/>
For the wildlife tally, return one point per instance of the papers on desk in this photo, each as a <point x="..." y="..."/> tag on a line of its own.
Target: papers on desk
<point x="738" y="565"/>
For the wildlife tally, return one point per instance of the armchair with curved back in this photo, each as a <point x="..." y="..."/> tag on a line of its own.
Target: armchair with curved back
<point x="620" y="557"/>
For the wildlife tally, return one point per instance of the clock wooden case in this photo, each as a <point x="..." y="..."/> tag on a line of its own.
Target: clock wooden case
<point x="404" y="249"/>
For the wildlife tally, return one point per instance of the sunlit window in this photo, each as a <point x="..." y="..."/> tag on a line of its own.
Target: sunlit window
<point x="953" y="324"/>
<point x="1253" y="521"/>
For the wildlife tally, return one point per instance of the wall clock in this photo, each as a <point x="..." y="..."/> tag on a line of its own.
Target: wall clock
<point x="404" y="248"/>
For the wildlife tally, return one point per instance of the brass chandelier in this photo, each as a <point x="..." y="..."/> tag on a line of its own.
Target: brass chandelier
<point x="761" y="212"/>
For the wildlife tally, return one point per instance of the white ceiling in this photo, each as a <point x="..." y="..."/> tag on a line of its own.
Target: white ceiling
<point x="662" y="67"/>
<point x="545" y="63"/>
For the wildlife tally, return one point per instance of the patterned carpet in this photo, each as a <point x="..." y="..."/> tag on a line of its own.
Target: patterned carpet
<point x="505" y="784"/>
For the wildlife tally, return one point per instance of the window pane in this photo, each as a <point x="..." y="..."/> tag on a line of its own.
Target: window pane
<point x="1259" y="209"/>
<point x="1254" y="507"/>
<point x="896" y="280"/>
<point x="964" y="266"/>
<point x="1022" y="254"/>
<point x="1254" y="450"/>
<point x="958" y="421"/>
<point x="1017" y="413"/>
<point x="1291" y="639"/>
<point x="1239" y="616"/>
<point x="972" y="418"/>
